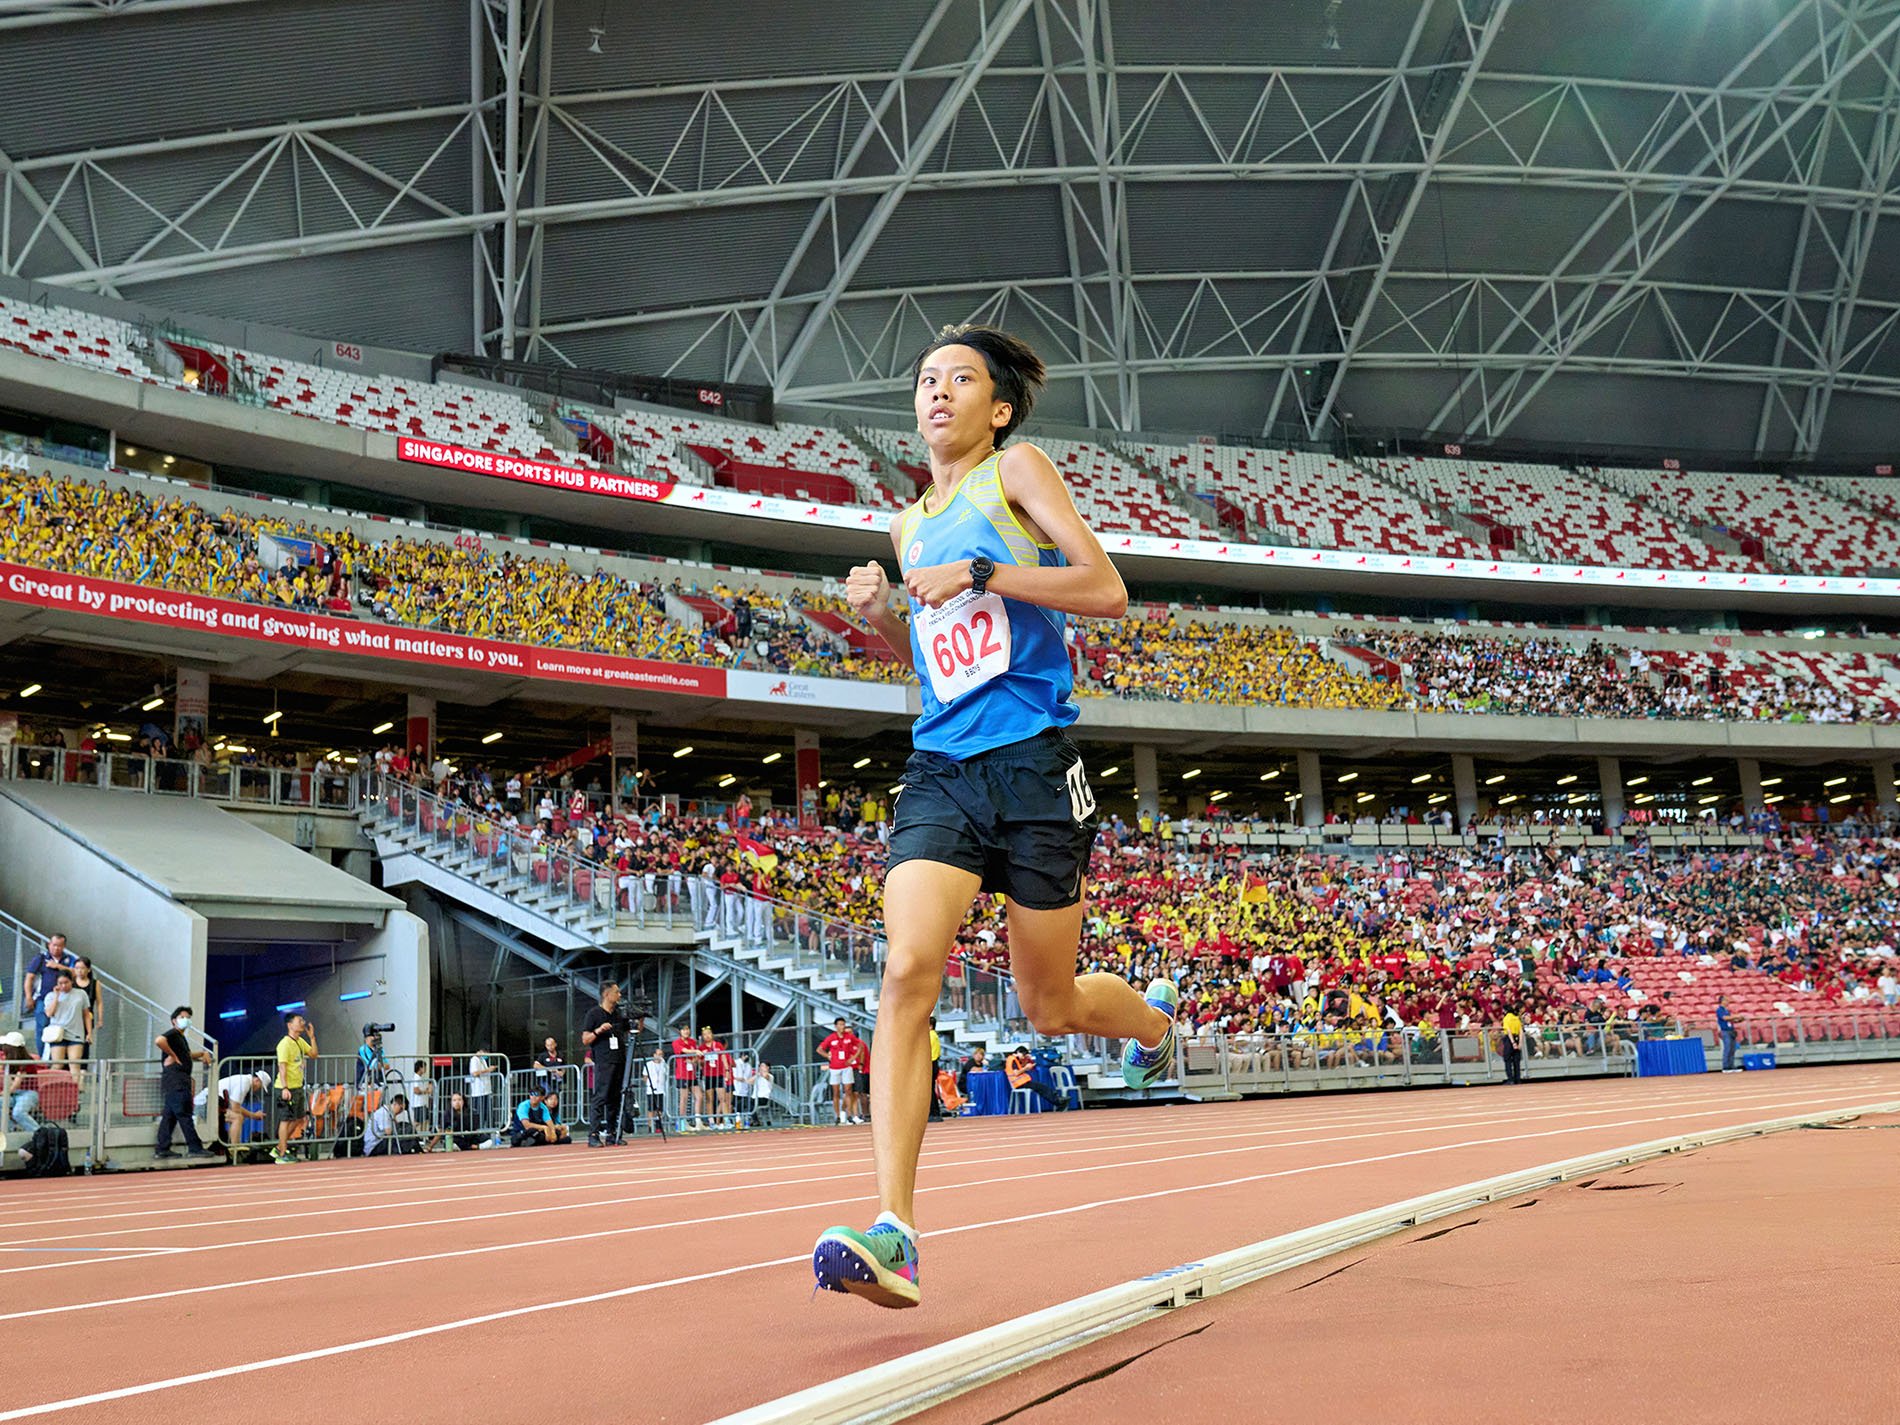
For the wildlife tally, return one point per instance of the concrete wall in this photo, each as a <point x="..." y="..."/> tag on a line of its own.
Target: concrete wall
<point x="132" y="931"/>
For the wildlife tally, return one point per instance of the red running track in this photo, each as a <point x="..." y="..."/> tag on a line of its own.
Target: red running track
<point x="485" y="1285"/>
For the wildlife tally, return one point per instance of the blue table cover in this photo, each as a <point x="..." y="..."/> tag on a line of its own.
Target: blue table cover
<point x="1671" y="1056"/>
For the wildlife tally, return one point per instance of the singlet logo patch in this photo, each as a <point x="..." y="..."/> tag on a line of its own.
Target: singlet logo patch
<point x="914" y="553"/>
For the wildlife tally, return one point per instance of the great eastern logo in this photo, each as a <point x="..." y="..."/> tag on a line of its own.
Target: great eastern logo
<point x="780" y="689"/>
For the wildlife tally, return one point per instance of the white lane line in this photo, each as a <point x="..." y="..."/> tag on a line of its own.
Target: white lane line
<point x="701" y="1190"/>
<point x="859" y="1198"/>
<point x="514" y="1313"/>
<point x="437" y="1172"/>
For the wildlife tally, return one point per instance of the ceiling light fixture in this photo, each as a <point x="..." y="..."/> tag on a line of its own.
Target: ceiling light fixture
<point x="492" y="737"/>
<point x="770" y="758"/>
<point x="151" y="704"/>
<point x="1437" y="797"/>
<point x="1505" y="801"/>
<point x="1364" y="797"/>
<point x="1191" y="774"/>
<point x="381" y="728"/>
<point x="271" y="717"/>
<point x="1833" y="801"/>
<point x="1566" y="781"/>
<point x="29" y="690"/>
<point x="1421" y="777"/>
<point x="860" y="764"/>
<point x="727" y="780"/>
<point x="1269" y="776"/>
<point x="1833" y="781"/>
<point x="1492" y="781"/>
<point x="1348" y="777"/>
<point x="1636" y="781"/>
<point x="1645" y="797"/>
<point x="686" y="751"/>
<point x="1701" y="781"/>
<point x="1704" y="801"/>
<point x="1770" y="801"/>
<point x="1218" y="797"/>
<point x="1110" y="772"/>
<point x="1771" y="781"/>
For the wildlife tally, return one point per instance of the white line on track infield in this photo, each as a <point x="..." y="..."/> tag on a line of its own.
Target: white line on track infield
<point x="1696" y="1106"/>
<point x="1813" y="1114"/>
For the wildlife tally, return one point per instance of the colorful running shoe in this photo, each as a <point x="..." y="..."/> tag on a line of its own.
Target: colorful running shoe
<point x="879" y="1265"/>
<point x="1141" y="1067"/>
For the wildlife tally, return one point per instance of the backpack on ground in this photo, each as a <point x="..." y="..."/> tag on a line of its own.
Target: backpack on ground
<point x="46" y="1154"/>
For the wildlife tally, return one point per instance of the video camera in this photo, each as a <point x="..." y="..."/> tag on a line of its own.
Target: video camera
<point x="374" y="1028"/>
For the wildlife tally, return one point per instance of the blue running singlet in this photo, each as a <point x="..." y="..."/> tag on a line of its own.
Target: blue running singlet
<point x="993" y="670"/>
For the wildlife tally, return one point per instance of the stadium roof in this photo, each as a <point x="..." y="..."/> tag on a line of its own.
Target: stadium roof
<point x="1667" y="222"/>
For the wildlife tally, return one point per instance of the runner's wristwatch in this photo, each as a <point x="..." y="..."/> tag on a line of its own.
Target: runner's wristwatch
<point x="981" y="568"/>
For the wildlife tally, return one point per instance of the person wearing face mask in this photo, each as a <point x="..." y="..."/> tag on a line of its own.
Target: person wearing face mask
<point x="176" y="1060"/>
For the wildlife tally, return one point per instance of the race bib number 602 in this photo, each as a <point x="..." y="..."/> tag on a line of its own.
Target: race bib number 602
<point x="965" y="643"/>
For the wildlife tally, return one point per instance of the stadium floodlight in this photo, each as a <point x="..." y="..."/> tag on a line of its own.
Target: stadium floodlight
<point x="1349" y="777"/>
<point x="1494" y="779"/>
<point x="1190" y="774"/>
<point x="1421" y="777"/>
<point x="1701" y="781"/>
<point x="770" y="758"/>
<point x="860" y="764"/>
<point x="491" y="737"/>
<point x="381" y="728"/>
<point x="29" y="690"/>
<point x="680" y="752"/>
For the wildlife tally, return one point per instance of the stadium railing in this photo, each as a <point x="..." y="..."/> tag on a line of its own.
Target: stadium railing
<point x="325" y="790"/>
<point x="338" y="1104"/>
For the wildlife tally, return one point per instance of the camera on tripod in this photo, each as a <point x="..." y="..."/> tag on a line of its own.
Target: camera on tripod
<point x="375" y="1028"/>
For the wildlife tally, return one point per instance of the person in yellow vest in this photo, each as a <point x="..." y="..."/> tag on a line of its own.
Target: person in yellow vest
<point x="1511" y="1046"/>
<point x="936" y="1064"/>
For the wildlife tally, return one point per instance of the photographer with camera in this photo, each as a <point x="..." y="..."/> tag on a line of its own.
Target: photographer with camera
<point x="372" y="1069"/>
<point x="606" y="1031"/>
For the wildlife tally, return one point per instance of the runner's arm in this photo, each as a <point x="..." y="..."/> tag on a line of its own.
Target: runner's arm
<point x="1088" y="585"/>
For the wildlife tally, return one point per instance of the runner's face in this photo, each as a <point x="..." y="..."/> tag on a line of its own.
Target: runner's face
<point x="956" y="400"/>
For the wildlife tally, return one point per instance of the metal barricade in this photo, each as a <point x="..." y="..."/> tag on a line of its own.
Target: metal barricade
<point x="339" y="1097"/>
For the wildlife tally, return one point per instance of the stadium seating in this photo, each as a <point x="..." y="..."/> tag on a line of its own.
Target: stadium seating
<point x="76" y="338"/>
<point x="790" y="460"/>
<point x="1801" y="526"/>
<point x="1315" y="501"/>
<point x="1547" y="512"/>
<point x="1110" y="493"/>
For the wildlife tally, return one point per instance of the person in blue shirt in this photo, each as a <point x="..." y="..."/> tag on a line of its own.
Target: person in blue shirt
<point x="40" y="980"/>
<point x="537" y="1120"/>
<point x="1725" y="1027"/>
<point x="370" y="1064"/>
<point x="993" y="559"/>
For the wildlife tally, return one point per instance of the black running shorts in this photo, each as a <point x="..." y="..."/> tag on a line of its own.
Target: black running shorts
<point x="1022" y="816"/>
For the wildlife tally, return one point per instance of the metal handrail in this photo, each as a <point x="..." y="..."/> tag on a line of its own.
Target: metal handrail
<point x="318" y="790"/>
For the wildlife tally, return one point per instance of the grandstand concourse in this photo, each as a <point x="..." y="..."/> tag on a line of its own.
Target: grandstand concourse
<point x="439" y="717"/>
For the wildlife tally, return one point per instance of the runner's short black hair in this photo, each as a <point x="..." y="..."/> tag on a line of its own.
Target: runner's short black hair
<point x="1017" y="372"/>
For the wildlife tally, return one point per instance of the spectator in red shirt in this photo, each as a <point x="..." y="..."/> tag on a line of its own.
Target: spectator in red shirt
<point x="688" y="1083"/>
<point x="843" y="1051"/>
<point x="718" y="1062"/>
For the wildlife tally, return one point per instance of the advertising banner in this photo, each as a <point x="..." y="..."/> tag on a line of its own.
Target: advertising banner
<point x="191" y="701"/>
<point x="792" y="689"/>
<point x="530" y="472"/>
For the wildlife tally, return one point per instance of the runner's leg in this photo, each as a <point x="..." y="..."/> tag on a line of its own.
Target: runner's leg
<point x="924" y="903"/>
<point x="1042" y="945"/>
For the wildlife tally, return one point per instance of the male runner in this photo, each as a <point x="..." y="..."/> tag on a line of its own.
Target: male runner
<point x="995" y="798"/>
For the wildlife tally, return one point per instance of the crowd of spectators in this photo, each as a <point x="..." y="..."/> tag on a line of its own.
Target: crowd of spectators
<point x="474" y="589"/>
